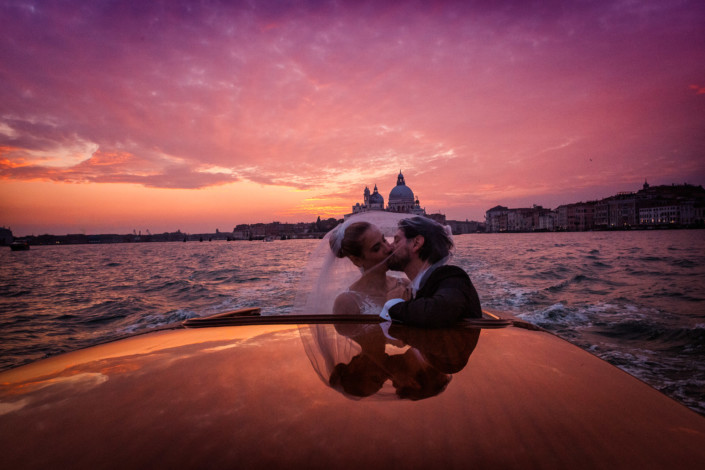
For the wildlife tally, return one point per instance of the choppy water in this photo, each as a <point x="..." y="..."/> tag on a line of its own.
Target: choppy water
<point x="636" y="299"/>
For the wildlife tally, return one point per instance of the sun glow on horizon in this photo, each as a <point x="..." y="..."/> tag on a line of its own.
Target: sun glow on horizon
<point x="80" y="208"/>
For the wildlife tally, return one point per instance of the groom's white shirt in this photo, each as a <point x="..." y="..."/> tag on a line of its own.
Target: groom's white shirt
<point x="415" y="286"/>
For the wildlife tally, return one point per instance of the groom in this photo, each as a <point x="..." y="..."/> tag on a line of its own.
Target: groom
<point x="439" y="294"/>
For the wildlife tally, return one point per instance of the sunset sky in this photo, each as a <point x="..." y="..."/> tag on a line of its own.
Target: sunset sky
<point x="199" y="116"/>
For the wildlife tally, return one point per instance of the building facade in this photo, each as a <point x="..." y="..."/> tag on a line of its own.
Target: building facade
<point x="401" y="199"/>
<point x="496" y="219"/>
<point x="6" y="236"/>
<point x="652" y="206"/>
<point x="370" y="202"/>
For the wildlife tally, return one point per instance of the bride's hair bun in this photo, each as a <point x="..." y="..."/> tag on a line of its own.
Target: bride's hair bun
<point x="347" y="241"/>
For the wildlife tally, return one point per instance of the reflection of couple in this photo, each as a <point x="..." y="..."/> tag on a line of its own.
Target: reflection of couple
<point x="419" y="364"/>
<point x="437" y="295"/>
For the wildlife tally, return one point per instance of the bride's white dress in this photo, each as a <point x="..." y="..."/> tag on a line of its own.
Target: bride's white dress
<point x="366" y="304"/>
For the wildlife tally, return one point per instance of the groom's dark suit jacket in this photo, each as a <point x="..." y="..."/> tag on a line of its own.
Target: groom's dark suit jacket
<point x="446" y="297"/>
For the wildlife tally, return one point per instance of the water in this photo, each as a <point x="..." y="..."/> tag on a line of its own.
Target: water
<point x="60" y="298"/>
<point x="635" y="299"/>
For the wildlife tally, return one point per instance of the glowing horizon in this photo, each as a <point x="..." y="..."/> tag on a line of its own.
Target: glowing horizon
<point x="174" y="116"/>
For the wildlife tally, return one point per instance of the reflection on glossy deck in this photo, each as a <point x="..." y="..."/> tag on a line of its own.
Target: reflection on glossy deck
<point x="249" y="397"/>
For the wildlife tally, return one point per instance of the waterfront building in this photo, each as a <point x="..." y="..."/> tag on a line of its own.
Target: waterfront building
<point x="520" y="220"/>
<point x="258" y="231"/>
<point x="602" y="214"/>
<point x="585" y="216"/>
<point x="681" y="214"/>
<point x="496" y="219"/>
<point x="652" y="205"/>
<point x="623" y="210"/>
<point x="370" y="202"/>
<point x="699" y="213"/>
<point x="6" y="236"/>
<point x="618" y="211"/>
<point x="547" y="221"/>
<point x="525" y="219"/>
<point x="401" y="199"/>
<point x="242" y="232"/>
<point x="663" y="215"/>
<point x="460" y="227"/>
<point x="542" y="219"/>
<point x="675" y="205"/>
<point x="563" y="213"/>
<point x="579" y="216"/>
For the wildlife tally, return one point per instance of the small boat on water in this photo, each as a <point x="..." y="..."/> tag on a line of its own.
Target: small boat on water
<point x="241" y="390"/>
<point x="19" y="245"/>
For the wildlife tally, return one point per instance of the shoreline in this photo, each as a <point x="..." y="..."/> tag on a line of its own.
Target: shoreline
<point x="105" y="239"/>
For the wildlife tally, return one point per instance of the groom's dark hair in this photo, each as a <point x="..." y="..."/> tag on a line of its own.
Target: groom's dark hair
<point x="437" y="243"/>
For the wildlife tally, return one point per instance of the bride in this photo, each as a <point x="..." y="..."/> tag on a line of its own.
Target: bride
<point x="366" y="247"/>
<point x="347" y="273"/>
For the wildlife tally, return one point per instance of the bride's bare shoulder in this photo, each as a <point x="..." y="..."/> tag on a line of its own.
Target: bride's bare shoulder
<point x="347" y="304"/>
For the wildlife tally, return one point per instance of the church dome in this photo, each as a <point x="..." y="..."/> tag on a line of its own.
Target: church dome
<point x="401" y="193"/>
<point x="375" y="201"/>
<point x="376" y="198"/>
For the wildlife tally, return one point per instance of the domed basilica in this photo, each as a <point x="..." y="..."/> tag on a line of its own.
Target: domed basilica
<point x="401" y="199"/>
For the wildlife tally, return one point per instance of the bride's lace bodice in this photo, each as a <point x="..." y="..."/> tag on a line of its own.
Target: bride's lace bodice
<point x="367" y="304"/>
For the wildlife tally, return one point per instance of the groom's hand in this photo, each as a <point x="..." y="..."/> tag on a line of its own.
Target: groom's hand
<point x="399" y="292"/>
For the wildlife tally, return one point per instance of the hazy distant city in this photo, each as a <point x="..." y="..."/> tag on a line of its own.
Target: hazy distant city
<point x="674" y="206"/>
<point x="652" y="207"/>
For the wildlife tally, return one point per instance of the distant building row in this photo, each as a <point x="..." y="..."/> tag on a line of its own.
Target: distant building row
<point x="650" y="207"/>
<point x="277" y="230"/>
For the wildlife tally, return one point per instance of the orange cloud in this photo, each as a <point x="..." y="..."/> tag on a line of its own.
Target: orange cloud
<point x="100" y="158"/>
<point x="7" y="163"/>
<point x="11" y="157"/>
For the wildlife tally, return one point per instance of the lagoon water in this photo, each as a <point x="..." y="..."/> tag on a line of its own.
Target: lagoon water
<point x="635" y="299"/>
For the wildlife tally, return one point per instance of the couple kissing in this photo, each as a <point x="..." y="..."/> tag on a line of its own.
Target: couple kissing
<point x="433" y="294"/>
